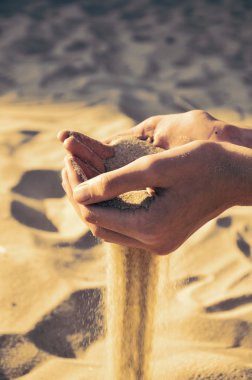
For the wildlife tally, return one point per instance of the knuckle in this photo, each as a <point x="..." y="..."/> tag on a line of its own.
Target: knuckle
<point x="200" y="114"/>
<point x="105" y="183"/>
<point x="150" y="121"/>
<point x="145" y="162"/>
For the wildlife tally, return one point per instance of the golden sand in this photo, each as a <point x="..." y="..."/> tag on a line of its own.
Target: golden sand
<point x="202" y="331"/>
<point x="132" y="283"/>
<point x="127" y="150"/>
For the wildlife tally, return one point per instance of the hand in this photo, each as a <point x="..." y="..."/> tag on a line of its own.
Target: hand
<point x="201" y="179"/>
<point x="89" y="154"/>
<point x="191" y="190"/>
<point x="164" y="131"/>
<point x="169" y="131"/>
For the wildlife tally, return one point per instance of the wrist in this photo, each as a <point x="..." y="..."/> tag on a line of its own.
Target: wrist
<point x="233" y="134"/>
<point x="234" y="169"/>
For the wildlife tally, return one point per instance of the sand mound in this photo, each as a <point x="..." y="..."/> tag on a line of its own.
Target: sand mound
<point x="127" y="150"/>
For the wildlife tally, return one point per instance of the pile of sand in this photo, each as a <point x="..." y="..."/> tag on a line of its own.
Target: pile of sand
<point x="127" y="150"/>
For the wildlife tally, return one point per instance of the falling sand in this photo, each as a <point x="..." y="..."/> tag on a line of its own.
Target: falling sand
<point x="132" y="282"/>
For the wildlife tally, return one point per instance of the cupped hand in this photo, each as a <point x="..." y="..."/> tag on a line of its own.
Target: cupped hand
<point x="169" y="131"/>
<point x="190" y="190"/>
<point x="90" y="154"/>
<point x="164" y="131"/>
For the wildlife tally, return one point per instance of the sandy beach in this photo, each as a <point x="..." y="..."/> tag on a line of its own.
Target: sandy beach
<point x="99" y="70"/>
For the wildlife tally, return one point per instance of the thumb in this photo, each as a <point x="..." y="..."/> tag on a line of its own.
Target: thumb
<point x="134" y="176"/>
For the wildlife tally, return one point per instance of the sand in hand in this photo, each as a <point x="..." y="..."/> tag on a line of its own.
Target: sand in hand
<point x="132" y="276"/>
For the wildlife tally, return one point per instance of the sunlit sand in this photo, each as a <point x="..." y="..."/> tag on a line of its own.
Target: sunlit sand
<point x="53" y="273"/>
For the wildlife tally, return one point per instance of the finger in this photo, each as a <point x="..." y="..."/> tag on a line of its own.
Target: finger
<point x="63" y="183"/>
<point x="137" y="131"/>
<point x="67" y="187"/>
<point x="102" y="150"/>
<point x="84" y="152"/>
<point x="147" y="171"/>
<point x="128" y="132"/>
<point x="109" y="218"/>
<point x="63" y="135"/>
<point x="86" y="168"/>
<point x="75" y="173"/>
<point x="116" y="238"/>
<point x="73" y="176"/>
<point x="143" y="131"/>
<point x="133" y="176"/>
<point x="125" y="222"/>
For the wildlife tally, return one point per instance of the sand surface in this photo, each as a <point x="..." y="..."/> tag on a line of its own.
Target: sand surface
<point x="61" y="67"/>
<point x="52" y="269"/>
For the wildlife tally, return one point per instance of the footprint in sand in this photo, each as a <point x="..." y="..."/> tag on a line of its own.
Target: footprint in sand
<point x="66" y="332"/>
<point x="18" y="356"/>
<point x="31" y="217"/>
<point x="28" y="135"/>
<point x="40" y="184"/>
<point x="86" y="241"/>
<point x="243" y="246"/>
<point x="72" y="326"/>
<point x="37" y="185"/>
<point x="224" y="222"/>
<point x="229" y="304"/>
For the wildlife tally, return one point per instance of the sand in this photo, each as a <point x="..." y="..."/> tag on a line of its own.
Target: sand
<point x="62" y="66"/>
<point x="128" y="150"/>
<point x="132" y="281"/>
<point x="52" y="271"/>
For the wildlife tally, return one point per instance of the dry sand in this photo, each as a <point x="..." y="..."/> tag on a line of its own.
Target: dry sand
<point x="52" y="271"/>
<point x="146" y="58"/>
<point x="132" y="281"/>
<point x="127" y="150"/>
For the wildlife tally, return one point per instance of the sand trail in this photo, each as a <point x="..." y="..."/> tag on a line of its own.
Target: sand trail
<point x="132" y="280"/>
<point x="132" y="285"/>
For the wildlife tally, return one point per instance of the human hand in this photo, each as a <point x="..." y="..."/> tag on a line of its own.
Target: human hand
<point x="190" y="190"/>
<point x="90" y="154"/>
<point x="164" y="131"/>
<point x="169" y="131"/>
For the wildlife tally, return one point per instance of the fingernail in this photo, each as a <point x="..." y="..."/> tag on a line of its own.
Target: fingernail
<point x="76" y="136"/>
<point x="62" y="135"/>
<point x="82" y="191"/>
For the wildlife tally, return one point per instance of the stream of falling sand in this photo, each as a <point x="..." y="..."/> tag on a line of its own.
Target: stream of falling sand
<point x="132" y="276"/>
<point x="132" y="285"/>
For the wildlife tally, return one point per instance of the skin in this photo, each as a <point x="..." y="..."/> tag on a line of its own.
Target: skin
<point x="205" y="170"/>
